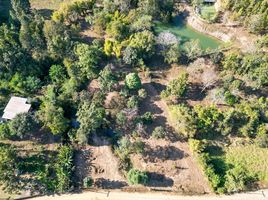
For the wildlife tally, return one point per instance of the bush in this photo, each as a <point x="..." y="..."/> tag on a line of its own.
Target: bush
<point x="159" y="132"/>
<point x="184" y="120"/>
<point x="176" y="87"/>
<point x="22" y="124"/>
<point x="262" y="140"/>
<point x="135" y="177"/>
<point x="133" y="81"/>
<point x="138" y="146"/>
<point x="147" y="118"/>
<point x="4" y="131"/>
<point x="197" y="146"/>
<point x="229" y="98"/>
<point x="87" y="182"/>
<point x="236" y="179"/>
<point x="142" y="93"/>
<point x="133" y="102"/>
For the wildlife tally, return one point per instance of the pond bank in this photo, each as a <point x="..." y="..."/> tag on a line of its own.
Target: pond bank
<point x="237" y="35"/>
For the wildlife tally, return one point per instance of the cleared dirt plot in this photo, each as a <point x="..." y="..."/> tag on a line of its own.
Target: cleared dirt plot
<point x="98" y="161"/>
<point x="171" y="167"/>
<point x="168" y="161"/>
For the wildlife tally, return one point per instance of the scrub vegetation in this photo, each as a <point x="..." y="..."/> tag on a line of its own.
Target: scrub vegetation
<point x="117" y="99"/>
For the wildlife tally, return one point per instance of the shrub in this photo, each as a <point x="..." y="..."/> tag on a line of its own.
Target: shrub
<point x="229" y="98"/>
<point x="159" y="132"/>
<point x="147" y="118"/>
<point x="121" y="118"/>
<point x="197" y="146"/>
<point x="262" y="140"/>
<point x="4" y="131"/>
<point x="135" y="177"/>
<point x="133" y="81"/>
<point x="236" y="179"/>
<point x="138" y="146"/>
<point x="23" y="124"/>
<point x="133" y="102"/>
<point x="87" y="182"/>
<point x="176" y="87"/>
<point x="183" y="120"/>
<point x="142" y="93"/>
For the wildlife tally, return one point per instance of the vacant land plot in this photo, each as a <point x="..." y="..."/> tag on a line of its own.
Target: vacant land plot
<point x="168" y="161"/>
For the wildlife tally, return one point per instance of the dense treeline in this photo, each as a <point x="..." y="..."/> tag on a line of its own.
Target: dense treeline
<point x="68" y="81"/>
<point x="252" y="13"/>
<point x="47" y="62"/>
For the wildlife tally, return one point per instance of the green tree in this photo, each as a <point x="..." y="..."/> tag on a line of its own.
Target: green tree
<point x="107" y="79"/>
<point x="192" y="49"/>
<point x="143" y="42"/>
<point x="64" y="168"/>
<point x="53" y="117"/>
<point x="90" y="118"/>
<point x="184" y="120"/>
<point x="176" y="87"/>
<point x="133" y="81"/>
<point x="8" y="169"/>
<point x="57" y="74"/>
<point x="135" y="177"/>
<point x="23" y="124"/>
<point x="58" y="39"/>
<point x="88" y="58"/>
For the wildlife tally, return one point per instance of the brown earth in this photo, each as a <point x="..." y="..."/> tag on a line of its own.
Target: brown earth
<point x="168" y="161"/>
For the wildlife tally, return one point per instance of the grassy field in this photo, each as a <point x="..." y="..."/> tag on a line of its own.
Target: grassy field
<point x="47" y="4"/>
<point x="251" y="157"/>
<point x="208" y="12"/>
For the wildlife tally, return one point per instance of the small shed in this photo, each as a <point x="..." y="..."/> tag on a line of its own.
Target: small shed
<point x="16" y="105"/>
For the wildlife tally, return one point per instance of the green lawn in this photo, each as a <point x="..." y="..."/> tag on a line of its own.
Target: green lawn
<point x="251" y="157"/>
<point x="208" y="12"/>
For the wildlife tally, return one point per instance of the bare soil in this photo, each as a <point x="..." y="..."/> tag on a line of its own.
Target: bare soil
<point x="168" y="161"/>
<point x="98" y="162"/>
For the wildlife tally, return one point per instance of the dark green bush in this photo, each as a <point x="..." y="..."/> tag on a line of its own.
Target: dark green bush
<point x="135" y="177"/>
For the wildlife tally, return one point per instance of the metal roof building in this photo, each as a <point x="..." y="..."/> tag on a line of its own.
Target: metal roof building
<point x="16" y="105"/>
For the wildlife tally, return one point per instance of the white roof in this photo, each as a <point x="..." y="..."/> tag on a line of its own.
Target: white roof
<point x="15" y="106"/>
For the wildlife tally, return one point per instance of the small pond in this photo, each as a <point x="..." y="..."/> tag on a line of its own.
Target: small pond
<point x="185" y="33"/>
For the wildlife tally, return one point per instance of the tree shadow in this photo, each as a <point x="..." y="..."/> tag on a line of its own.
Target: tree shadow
<point x="163" y="153"/>
<point x="214" y="150"/>
<point x="46" y="13"/>
<point x="159" y="180"/>
<point x="195" y="92"/>
<point x="109" y="184"/>
<point x="159" y="87"/>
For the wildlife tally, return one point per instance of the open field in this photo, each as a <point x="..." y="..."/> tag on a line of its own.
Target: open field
<point x="251" y="157"/>
<point x="48" y="4"/>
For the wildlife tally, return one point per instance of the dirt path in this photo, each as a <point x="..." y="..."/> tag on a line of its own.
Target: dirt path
<point x="114" y="195"/>
<point x="168" y="161"/>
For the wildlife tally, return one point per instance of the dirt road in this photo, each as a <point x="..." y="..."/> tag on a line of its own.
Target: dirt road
<point x="258" y="195"/>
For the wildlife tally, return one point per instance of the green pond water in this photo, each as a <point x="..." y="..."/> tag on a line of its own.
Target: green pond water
<point x="185" y="33"/>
